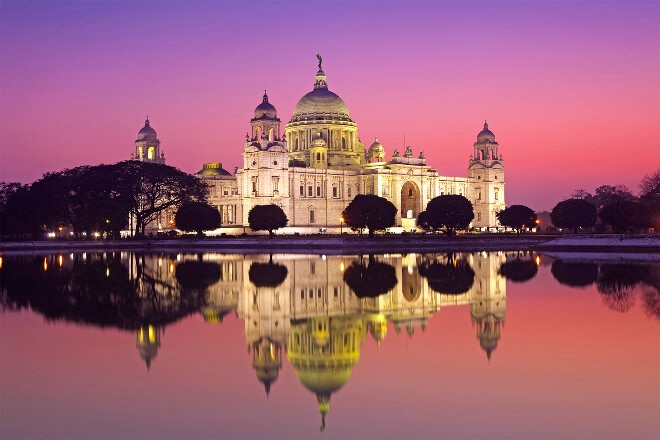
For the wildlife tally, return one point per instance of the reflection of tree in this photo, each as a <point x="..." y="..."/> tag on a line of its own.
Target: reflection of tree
<point x="452" y="277"/>
<point x="651" y="302"/>
<point x="370" y="281"/>
<point x="98" y="291"/>
<point x="617" y="282"/>
<point x="267" y="274"/>
<point x="197" y="275"/>
<point x="574" y="274"/>
<point x="519" y="270"/>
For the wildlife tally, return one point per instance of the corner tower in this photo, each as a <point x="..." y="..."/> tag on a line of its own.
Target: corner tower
<point x="147" y="145"/>
<point x="486" y="176"/>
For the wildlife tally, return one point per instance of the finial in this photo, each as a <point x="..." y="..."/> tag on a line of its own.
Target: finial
<point x="265" y="96"/>
<point x="320" y="58"/>
<point x="146" y="122"/>
<point x="485" y="125"/>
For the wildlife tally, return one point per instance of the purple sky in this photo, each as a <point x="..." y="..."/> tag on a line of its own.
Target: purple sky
<point x="570" y="89"/>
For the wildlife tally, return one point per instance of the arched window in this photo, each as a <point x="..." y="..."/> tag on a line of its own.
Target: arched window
<point x="410" y="192"/>
<point x="343" y="143"/>
<point x="318" y="156"/>
<point x="150" y="153"/>
<point x="270" y="134"/>
<point x="296" y="148"/>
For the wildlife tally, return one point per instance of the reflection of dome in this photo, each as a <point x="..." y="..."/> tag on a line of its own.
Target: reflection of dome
<point x="147" y="133"/>
<point x="265" y="109"/>
<point x="323" y="352"/>
<point x="148" y="342"/>
<point x="485" y="135"/>
<point x="378" y="327"/>
<point x="320" y="103"/>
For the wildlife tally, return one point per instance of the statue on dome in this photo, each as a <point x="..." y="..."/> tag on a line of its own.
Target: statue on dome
<point x="396" y="153"/>
<point x="421" y="155"/>
<point x="408" y="152"/>
<point x="320" y="58"/>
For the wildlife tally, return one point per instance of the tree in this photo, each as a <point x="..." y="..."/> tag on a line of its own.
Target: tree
<point x="370" y="211"/>
<point x="608" y="194"/>
<point x="153" y="188"/>
<point x="573" y="213"/>
<point x="650" y="184"/>
<point x="624" y="216"/>
<point x="450" y="211"/>
<point x="197" y="217"/>
<point x="517" y="217"/>
<point x="267" y="218"/>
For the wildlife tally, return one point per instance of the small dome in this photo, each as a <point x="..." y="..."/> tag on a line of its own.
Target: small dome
<point x="376" y="147"/>
<point x="147" y="133"/>
<point x="485" y="135"/>
<point x="265" y="109"/>
<point x="213" y="169"/>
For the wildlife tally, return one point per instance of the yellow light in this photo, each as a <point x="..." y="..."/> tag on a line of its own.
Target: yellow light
<point x="107" y="272"/>
<point x="152" y="334"/>
<point x="272" y="351"/>
<point x="171" y="267"/>
<point x="342" y="266"/>
<point x="341" y="219"/>
<point x="45" y="264"/>
<point x="60" y="260"/>
<point x="538" y="260"/>
<point x="0" y="262"/>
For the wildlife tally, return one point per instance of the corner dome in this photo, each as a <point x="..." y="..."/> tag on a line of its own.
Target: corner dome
<point x="265" y="109"/>
<point x="376" y="147"/>
<point x="147" y="133"/>
<point x="486" y="135"/>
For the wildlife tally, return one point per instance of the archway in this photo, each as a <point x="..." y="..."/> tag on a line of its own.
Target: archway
<point x="410" y="200"/>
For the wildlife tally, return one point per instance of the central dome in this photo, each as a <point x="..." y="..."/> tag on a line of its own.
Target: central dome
<point x="320" y="103"/>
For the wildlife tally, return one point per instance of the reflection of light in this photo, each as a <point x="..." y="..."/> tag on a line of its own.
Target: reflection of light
<point x="342" y="266"/>
<point x="71" y="255"/>
<point x="272" y="351"/>
<point x="45" y="264"/>
<point x="60" y="260"/>
<point x="107" y="272"/>
<point x="178" y="257"/>
<point x="84" y="256"/>
<point x="152" y="334"/>
<point x="323" y="257"/>
<point x="160" y="262"/>
<point x="410" y="269"/>
<point x="0" y="262"/>
<point x="538" y="260"/>
<point x="171" y="267"/>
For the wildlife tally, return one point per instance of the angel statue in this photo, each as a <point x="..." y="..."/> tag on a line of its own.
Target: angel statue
<point x="320" y="58"/>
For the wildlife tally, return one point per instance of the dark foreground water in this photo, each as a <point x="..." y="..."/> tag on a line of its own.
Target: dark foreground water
<point x="205" y="346"/>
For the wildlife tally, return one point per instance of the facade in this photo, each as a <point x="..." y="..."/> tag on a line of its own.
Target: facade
<point x="315" y="165"/>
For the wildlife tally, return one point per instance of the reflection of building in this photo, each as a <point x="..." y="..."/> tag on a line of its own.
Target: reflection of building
<point x="148" y="343"/>
<point x="319" y="322"/>
<point x="315" y="166"/>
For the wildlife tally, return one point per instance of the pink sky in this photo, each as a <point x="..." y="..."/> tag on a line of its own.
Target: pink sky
<point x="570" y="89"/>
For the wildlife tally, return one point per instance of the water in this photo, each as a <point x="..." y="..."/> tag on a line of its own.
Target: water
<point x="199" y="346"/>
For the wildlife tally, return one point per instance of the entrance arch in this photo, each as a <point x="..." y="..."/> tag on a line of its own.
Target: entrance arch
<point x="410" y="200"/>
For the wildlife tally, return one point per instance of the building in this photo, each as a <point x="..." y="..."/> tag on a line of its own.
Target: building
<point x="316" y="164"/>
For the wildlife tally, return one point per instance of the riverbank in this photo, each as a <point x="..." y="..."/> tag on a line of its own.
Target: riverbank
<point x="353" y="244"/>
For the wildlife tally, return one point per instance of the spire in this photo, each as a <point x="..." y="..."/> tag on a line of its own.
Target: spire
<point x="485" y="125"/>
<point x="146" y="122"/>
<point x="265" y="96"/>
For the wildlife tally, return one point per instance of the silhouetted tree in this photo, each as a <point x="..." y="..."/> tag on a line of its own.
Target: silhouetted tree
<point x="574" y="274"/>
<point x="574" y="214"/>
<point x="267" y="218"/>
<point x="519" y="270"/>
<point x="451" y="211"/>
<point x="651" y="302"/>
<point x="608" y="195"/>
<point x="197" y="217"/>
<point x="624" y="216"/>
<point x="370" y="211"/>
<point x="370" y="281"/>
<point x="517" y="217"/>
<point x="154" y="188"/>
<point x="451" y="277"/>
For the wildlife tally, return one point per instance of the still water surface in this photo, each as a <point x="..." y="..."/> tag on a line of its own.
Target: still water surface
<point x="200" y="346"/>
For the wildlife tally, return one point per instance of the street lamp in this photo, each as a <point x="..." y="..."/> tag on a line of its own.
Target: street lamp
<point x="341" y="225"/>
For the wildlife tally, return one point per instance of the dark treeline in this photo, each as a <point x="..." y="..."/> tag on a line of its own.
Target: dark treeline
<point x="99" y="198"/>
